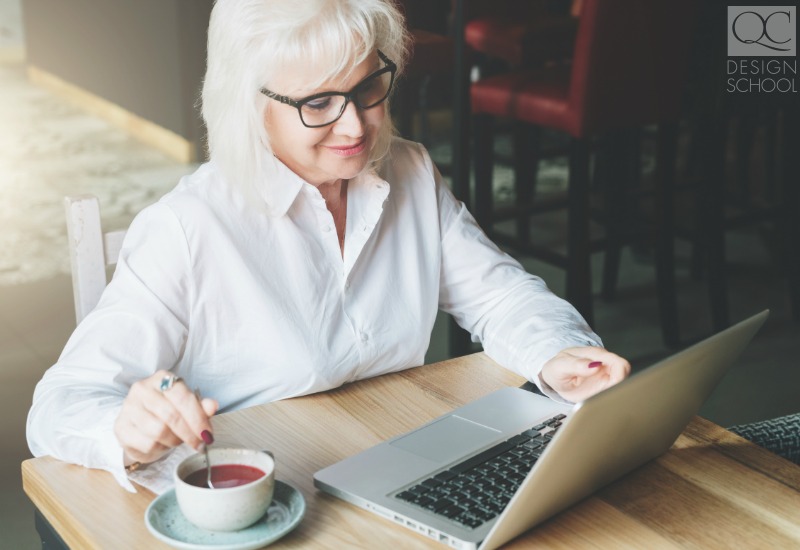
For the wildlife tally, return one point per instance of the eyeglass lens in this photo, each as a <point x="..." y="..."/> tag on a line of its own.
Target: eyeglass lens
<point x="325" y="110"/>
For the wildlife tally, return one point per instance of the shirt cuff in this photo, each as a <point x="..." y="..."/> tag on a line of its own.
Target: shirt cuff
<point x="108" y="453"/>
<point x="114" y="461"/>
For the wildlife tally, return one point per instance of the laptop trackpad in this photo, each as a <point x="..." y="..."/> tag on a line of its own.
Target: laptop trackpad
<point x="447" y="439"/>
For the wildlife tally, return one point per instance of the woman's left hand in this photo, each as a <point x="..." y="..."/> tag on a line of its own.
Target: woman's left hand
<point x="579" y="373"/>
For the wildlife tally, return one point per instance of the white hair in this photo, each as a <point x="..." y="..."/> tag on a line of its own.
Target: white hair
<point x="250" y="41"/>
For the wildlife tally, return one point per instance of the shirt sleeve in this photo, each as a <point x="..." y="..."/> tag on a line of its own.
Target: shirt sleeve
<point x="518" y="320"/>
<point x="139" y="326"/>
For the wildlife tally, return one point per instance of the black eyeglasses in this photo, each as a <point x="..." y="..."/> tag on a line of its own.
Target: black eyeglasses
<point x="327" y="107"/>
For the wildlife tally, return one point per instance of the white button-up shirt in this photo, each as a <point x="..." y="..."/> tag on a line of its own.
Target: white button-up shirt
<point x="250" y="306"/>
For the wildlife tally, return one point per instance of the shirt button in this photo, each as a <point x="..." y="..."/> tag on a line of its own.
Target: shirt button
<point x="326" y="228"/>
<point x="364" y="337"/>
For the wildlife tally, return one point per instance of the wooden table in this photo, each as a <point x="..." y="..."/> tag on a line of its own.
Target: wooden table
<point x="711" y="490"/>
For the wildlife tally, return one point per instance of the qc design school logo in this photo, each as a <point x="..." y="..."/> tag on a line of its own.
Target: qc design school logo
<point x="762" y="49"/>
<point x="759" y="31"/>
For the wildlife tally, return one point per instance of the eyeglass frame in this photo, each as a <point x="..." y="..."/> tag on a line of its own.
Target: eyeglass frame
<point x="390" y="67"/>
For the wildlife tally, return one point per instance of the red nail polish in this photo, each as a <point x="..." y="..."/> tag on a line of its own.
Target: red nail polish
<point x="595" y="364"/>
<point x="207" y="437"/>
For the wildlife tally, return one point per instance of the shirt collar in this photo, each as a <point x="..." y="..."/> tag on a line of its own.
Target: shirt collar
<point x="279" y="187"/>
<point x="377" y="190"/>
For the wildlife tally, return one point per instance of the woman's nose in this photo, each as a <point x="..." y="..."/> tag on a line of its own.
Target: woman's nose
<point x="351" y="122"/>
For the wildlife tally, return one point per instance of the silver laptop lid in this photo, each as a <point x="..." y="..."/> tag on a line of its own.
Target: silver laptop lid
<point x="621" y="428"/>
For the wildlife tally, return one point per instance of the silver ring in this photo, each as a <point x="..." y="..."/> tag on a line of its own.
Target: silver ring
<point x="168" y="381"/>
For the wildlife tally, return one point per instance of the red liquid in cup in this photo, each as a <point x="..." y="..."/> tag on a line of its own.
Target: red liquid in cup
<point x="225" y="475"/>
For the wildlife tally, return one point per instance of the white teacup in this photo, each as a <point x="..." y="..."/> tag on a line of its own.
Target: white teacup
<point x="228" y="508"/>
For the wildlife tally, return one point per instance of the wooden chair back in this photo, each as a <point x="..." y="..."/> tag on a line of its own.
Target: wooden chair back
<point x="90" y="251"/>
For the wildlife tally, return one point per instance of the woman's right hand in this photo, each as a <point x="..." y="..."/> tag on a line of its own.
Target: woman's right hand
<point x="152" y="421"/>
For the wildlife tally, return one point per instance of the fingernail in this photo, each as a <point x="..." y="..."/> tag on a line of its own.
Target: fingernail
<point x="595" y="364"/>
<point x="207" y="437"/>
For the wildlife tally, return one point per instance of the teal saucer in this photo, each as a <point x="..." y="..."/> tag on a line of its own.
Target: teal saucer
<point x="166" y="522"/>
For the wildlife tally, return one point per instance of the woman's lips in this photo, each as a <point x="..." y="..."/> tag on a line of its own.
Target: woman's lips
<point x="349" y="150"/>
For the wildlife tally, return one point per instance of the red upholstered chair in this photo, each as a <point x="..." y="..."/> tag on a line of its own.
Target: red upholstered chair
<point x="520" y="33"/>
<point x="431" y="57"/>
<point x="627" y="72"/>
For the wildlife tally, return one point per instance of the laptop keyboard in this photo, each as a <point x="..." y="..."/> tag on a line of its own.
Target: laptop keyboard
<point x="477" y="490"/>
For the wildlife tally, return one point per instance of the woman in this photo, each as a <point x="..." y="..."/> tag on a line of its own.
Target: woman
<point x="312" y="250"/>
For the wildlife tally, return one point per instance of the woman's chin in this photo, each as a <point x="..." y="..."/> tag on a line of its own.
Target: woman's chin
<point x="350" y="171"/>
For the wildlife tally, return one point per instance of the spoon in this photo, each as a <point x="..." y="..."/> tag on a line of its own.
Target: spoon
<point x="208" y="439"/>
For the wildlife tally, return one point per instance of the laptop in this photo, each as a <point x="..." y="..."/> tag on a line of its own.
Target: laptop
<point x="490" y="470"/>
